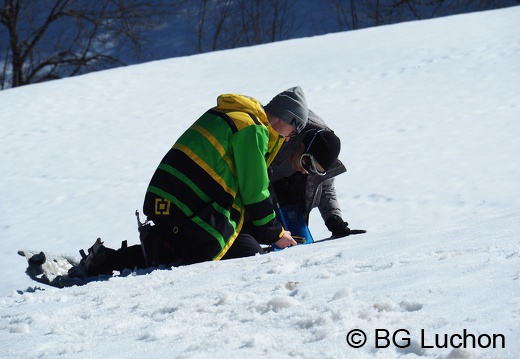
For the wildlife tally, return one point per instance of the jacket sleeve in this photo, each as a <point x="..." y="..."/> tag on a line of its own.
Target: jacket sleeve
<point x="328" y="202"/>
<point x="250" y="147"/>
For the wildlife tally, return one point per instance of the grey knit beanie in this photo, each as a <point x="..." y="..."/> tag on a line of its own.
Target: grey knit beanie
<point x="290" y="106"/>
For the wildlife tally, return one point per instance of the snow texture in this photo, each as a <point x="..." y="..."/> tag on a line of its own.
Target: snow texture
<point x="429" y="117"/>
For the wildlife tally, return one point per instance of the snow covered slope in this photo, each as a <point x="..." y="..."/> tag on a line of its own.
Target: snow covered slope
<point x="428" y="113"/>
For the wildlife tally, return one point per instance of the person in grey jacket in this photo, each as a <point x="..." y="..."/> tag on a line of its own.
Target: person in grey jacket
<point x="302" y="174"/>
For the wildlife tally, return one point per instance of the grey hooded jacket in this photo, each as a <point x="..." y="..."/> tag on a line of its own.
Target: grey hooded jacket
<point x="305" y="191"/>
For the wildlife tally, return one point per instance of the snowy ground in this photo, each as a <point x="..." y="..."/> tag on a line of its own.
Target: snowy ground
<point x="428" y="113"/>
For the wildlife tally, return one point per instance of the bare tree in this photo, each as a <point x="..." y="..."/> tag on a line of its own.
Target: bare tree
<point x="350" y="14"/>
<point x="404" y="10"/>
<point x="229" y="24"/>
<point x="212" y="17"/>
<point x="51" y="39"/>
<point x="354" y="14"/>
<point x="264" y="21"/>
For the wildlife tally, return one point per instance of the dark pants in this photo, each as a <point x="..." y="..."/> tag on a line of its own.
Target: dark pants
<point x="245" y="245"/>
<point x="165" y="253"/>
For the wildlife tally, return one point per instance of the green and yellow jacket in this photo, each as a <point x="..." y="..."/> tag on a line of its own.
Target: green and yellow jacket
<point x="215" y="176"/>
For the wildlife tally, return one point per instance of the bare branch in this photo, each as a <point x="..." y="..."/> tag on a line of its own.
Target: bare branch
<point x="50" y="39"/>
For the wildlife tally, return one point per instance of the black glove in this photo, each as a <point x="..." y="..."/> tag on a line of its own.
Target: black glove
<point x="339" y="228"/>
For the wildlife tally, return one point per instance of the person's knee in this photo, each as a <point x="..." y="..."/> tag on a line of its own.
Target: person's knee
<point x="244" y="245"/>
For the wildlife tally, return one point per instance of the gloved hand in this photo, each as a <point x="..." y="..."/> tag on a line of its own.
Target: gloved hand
<point x="339" y="228"/>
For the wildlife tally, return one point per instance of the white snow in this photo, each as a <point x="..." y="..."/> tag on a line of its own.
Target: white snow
<point x="429" y="116"/>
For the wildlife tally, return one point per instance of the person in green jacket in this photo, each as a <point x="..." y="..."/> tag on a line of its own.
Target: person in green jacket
<point x="212" y="181"/>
